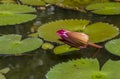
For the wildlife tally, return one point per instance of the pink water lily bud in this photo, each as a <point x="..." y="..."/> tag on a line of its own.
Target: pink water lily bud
<point x="75" y="39"/>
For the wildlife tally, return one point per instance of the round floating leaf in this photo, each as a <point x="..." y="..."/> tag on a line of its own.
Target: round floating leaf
<point x="53" y="1"/>
<point x="98" y="32"/>
<point x="15" y="19"/>
<point x="77" y="4"/>
<point x="73" y="25"/>
<point x="11" y="14"/>
<point x="64" y="49"/>
<point x="113" y="46"/>
<point x="7" y="1"/>
<point x="111" y="69"/>
<point x="18" y="46"/>
<point x="75" y="69"/>
<point x="108" y="8"/>
<point x="34" y="2"/>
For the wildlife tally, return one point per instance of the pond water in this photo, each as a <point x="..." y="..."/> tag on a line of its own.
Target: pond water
<point x="35" y="64"/>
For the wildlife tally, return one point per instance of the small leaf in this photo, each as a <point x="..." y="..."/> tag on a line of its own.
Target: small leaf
<point x="11" y="14"/>
<point x="113" y="46"/>
<point x="47" y="46"/>
<point x="107" y="8"/>
<point x="8" y="46"/>
<point x="74" y="69"/>
<point x="64" y="49"/>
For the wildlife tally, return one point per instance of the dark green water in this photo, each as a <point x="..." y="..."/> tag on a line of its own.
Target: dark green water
<point x="36" y="64"/>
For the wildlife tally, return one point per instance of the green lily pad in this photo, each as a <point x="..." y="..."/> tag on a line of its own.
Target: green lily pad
<point x="111" y="69"/>
<point x="47" y="46"/>
<point x="64" y="49"/>
<point x="34" y="2"/>
<point x="99" y="32"/>
<point x="53" y="1"/>
<point x="7" y="1"/>
<point x="11" y="14"/>
<point x="107" y="8"/>
<point x="106" y="31"/>
<point x="18" y="46"/>
<point x="113" y="46"/>
<point x="75" y="69"/>
<point x="78" y="4"/>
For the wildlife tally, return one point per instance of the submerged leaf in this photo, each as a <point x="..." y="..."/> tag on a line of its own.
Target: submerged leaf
<point x="75" y="69"/>
<point x="113" y="46"/>
<point x="11" y="14"/>
<point x="4" y="71"/>
<point x="64" y="49"/>
<point x="108" y="8"/>
<point x="106" y="31"/>
<point x="2" y="76"/>
<point x="9" y="46"/>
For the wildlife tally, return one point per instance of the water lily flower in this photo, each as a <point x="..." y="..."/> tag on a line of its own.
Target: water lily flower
<point x="76" y="39"/>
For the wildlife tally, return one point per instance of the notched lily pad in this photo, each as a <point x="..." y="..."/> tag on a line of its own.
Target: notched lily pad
<point x="107" y="8"/>
<point x="113" y="46"/>
<point x="98" y="32"/>
<point x="34" y="2"/>
<point x="64" y="49"/>
<point x="18" y="46"/>
<point x="11" y="14"/>
<point x="111" y="69"/>
<point x="74" y="69"/>
<point x="77" y="4"/>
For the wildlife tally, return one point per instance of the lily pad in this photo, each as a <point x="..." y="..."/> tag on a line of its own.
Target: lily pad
<point x="99" y="32"/>
<point x="75" y="69"/>
<point x="111" y="69"/>
<point x="34" y="2"/>
<point x="53" y="1"/>
<point x="106" y="31"/>
<point x="18" y="46"/>
<point x="7" y="1"/>
<point x="47" y="46"/>
<point x="77" y="4"/>
<point x="107" y="8"/>
<point x="64" y="49"/>
<point x="113" y="46"/>
<point x="11" y="14"/>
